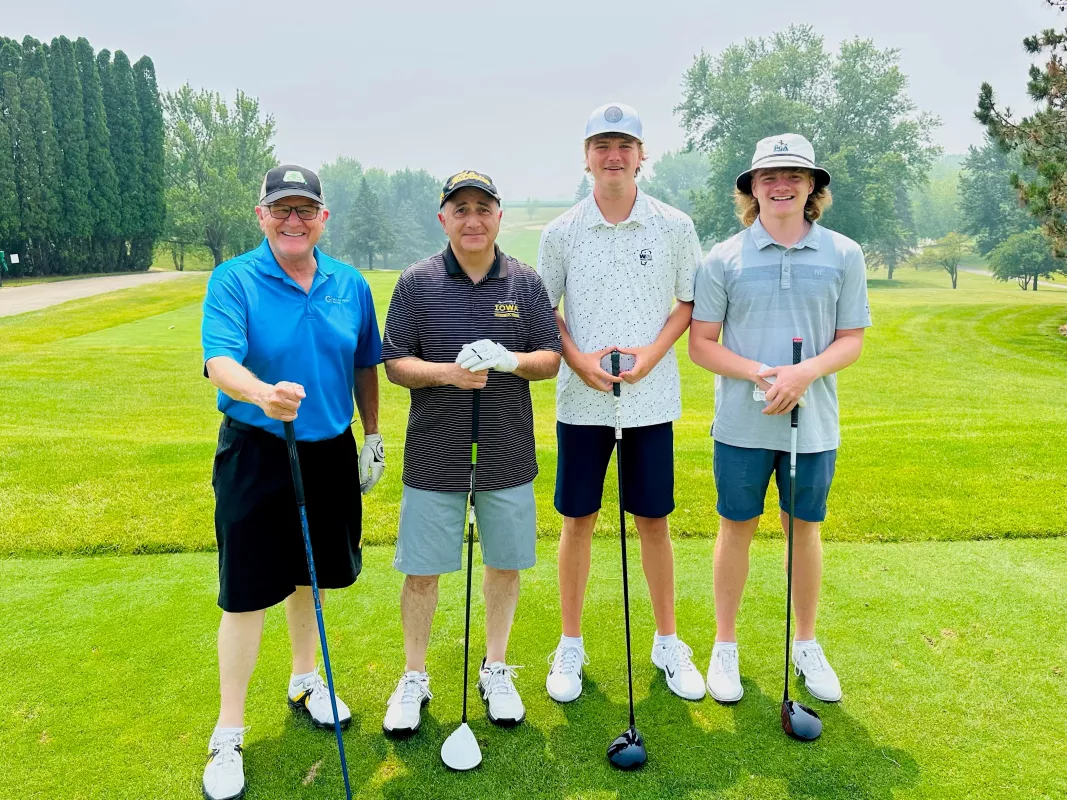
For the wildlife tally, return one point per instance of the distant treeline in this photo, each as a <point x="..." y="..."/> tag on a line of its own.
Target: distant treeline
<point x="81" y="158"/>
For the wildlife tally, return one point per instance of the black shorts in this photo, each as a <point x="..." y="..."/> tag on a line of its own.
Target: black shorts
<point x="261" y="547"/>
<point x="582" y="456"/>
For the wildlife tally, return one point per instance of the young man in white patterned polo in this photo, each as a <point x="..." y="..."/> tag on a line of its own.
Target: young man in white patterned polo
<point x="784" y="276"/>
<point x="624" y="265"/>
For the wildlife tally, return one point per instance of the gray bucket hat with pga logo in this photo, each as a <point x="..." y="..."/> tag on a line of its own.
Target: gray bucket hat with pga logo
<point x="784" y="150"/>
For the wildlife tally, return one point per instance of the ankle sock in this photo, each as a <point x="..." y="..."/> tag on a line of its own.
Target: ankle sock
<point x="571" y="641"/>
<point x="666" y="640"/>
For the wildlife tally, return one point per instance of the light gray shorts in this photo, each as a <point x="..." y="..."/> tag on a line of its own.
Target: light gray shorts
<point x="433" y="526"/>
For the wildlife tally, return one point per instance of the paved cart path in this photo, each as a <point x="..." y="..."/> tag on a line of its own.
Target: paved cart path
<point x="20" y="299"/>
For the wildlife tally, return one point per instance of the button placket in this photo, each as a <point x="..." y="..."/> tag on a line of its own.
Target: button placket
<point x="786" y="276"/>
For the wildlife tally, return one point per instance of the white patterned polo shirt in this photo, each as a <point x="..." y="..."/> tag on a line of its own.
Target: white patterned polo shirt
<point x="618" y="284"/>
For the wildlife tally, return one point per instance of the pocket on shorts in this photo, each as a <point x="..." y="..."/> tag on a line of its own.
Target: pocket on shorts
<point x="228" y="446"/>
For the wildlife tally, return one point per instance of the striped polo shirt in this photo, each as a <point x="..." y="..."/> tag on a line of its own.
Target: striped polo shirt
<point x="436" y="310"/>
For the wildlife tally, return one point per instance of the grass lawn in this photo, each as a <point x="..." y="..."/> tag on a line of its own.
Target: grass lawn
<point x="952" y="423"/>
<point x="951" y="656"/>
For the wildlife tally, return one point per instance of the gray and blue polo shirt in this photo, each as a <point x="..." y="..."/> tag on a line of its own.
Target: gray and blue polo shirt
<point x="765" y="294"/>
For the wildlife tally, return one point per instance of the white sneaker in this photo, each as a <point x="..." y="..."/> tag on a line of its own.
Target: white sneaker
<point x="819" y="677"/>
<point x="724" y="675"/>
<point x="404" y="714"/>
<point x="676" y="661"/>
<point x="312" y="695"/>
<point x="502" y="701"/>
<point x="564" y="681"/>
<point x="224" y="775"/>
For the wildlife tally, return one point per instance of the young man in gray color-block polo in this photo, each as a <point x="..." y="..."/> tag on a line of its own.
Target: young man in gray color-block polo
<point x="784" y="276"/>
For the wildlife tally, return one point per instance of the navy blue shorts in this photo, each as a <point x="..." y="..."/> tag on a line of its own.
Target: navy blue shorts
<point x="582" y="456"/>
<point x="743" y="473"/>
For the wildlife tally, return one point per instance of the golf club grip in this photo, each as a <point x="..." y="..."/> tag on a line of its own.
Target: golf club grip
<point x="294" y="462"/>
<point x="615" y="387"/>
<point x="798" y="345"/>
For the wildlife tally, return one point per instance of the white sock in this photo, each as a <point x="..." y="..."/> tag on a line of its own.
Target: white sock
<point x="295" y="680"/>
<point x="803" y="642"/>
<point x="220" y="731"/>
<point x="666" y="640"/>
<point x="725" y="645"/>
<point x="571" y="641"/>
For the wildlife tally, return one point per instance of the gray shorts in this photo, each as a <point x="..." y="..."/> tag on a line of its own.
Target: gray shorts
<point x="433" y="526"/>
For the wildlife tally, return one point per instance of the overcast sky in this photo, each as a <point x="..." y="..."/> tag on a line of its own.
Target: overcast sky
<point x="505" y="87"/>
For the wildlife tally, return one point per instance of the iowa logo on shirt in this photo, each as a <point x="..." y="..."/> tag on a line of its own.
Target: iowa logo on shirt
<point x="505" y="310"/>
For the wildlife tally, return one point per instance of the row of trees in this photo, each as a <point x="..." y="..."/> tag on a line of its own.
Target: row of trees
<point x="81" y="158"/>
<point x="377" y="214"/>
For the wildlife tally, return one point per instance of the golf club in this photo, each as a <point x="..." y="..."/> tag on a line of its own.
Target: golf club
<point x="460" y="750"/>
<point x="298" y="487"/>
<point x="798" y="720"/>
<point x="628" y="749"/>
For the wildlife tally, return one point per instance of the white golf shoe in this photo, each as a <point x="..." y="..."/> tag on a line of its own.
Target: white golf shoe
<point x="820" y="679"/>
<point x="676" y="661"/>
<point x="311" y="694"/>
<point x="502" y="701"/>
<point x="224" y="775"/>
<point x="724" y="674"/>
<point x="564" y="681"/>
<point x="404" y="713"/>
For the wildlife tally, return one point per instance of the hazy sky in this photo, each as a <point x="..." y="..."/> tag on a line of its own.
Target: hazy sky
<point x="505" y="87"/>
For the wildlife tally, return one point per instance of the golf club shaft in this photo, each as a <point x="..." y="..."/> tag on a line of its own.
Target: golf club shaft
<point x="617" y="390"/>
<point x="475" y="402"/>
<point x="298" y="488"/>
<point x="794" y="419"/>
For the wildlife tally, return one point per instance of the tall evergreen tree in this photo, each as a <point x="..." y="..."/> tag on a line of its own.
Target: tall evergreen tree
<point x="38" y="174"/>
<point x="75" y="222"/>
<point x="104" y="203"/>
<point x="367" y="225"/>
<point x="154" y="210"/>
<point x="10" y="56"/>
<point x="10" y="222"/>
<point x="127" y="151"/>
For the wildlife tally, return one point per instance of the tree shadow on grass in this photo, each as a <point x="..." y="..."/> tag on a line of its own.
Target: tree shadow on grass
<point x="694" y="748"/>
<point x="303" y="762"/>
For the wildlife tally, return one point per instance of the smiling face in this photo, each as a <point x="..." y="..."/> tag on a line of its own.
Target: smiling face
<point x="613" y="159"/>
<point x="471" y="219"/>
<point x="292" y="239"/>
<point x="783" y="192"/>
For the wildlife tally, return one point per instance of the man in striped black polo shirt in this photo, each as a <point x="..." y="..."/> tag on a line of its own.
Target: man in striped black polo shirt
<point x="467" y="318"/>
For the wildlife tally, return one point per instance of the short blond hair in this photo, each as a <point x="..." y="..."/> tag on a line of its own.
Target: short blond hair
<point x="747" y="206"/>
<point x="640" y="146"/>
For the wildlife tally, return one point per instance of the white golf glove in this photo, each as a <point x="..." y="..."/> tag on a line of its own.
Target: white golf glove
<point x="487" y="354"/>
<point x="760" y="395"/>
<point x="371" y="461"/>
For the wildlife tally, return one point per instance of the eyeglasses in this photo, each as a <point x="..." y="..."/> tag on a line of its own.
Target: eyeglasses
<point x="303" y="212"/>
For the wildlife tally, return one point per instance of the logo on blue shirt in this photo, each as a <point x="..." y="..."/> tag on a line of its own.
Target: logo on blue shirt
<point x="337" y="300"/>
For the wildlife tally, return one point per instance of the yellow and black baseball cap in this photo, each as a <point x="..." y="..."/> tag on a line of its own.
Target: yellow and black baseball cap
<point x="469" y="178"/>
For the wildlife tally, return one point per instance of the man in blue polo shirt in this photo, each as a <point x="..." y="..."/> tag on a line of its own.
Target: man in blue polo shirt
<point x="784" y="276"/>
<point x="289" y="334"/>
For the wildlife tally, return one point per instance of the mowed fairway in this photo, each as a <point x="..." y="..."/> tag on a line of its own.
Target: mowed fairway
<point x="950" y="649"/>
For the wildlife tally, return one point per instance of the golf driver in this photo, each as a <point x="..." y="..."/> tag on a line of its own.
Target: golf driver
<point x="628" y="749"/>
<point x="460" y="750"/>
<point x="298" y="487"/>
<point x="798" y="720"/>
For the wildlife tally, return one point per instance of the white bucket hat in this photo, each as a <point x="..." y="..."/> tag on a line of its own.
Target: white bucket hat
<point x="614" y="118"/>
<point x="784" y="150"/>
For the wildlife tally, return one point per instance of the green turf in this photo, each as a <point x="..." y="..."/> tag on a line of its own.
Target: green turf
<point x="952" y="423"/>
<point x="951" y="656"/>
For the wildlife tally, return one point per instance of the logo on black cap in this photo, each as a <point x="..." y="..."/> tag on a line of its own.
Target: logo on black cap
<point x="613" y="114"/>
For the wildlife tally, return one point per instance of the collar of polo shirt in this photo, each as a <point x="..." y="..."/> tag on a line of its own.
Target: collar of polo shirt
<point x="638" y="214"/>
<point x="762" y="239"/>
<point x="265" y="260"/>
<point x="498" y="270"/>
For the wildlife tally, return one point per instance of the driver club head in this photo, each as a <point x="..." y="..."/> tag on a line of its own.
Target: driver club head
<point x="800" y="722"/>
<point x="628" y="750"/>
<point x="460" y="751"/>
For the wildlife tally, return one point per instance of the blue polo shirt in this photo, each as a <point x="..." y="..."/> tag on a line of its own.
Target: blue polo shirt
<point x="261" y="318"/>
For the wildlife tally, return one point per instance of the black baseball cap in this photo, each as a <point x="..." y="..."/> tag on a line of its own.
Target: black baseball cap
<point x="288" y="180"/>
<point x="469" y="178"/>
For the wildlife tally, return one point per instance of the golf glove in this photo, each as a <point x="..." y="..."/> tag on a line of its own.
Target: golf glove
<point x="760" y="395"/>
<point x="486" y="354"/>
<point x="371" y="461"/>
